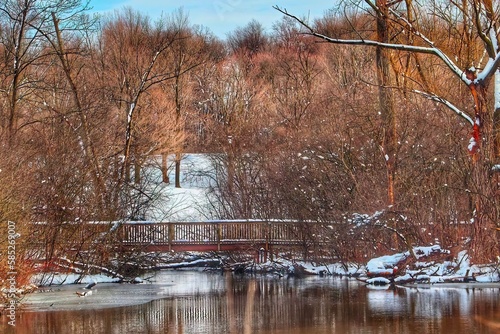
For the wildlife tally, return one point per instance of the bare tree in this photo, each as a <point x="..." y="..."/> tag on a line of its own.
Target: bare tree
<point x="295" y="74"/>
<point x="133" y="49"/>
<point x="22" y="37"/>
<point x="249" y="40"/>
<point x="187" y="53"/>
<point x="482" y="146"/>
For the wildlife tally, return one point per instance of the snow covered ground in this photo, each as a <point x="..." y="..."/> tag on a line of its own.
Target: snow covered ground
<point x="190" y="202"/>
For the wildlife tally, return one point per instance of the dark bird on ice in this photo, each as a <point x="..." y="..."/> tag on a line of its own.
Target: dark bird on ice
<point x="90" y="285"/>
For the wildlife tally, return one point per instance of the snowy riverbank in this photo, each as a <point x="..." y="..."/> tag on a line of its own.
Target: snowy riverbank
<point x="432" y="265"/>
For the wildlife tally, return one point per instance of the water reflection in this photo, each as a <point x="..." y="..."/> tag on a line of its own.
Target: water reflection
<point x="195" y="302"/>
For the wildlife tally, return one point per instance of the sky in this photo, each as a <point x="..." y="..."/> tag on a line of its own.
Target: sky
<point x="220" y="16"/>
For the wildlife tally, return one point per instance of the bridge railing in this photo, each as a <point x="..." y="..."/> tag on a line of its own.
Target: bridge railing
<point x="160" y="236"/>
<point x="218" y="232"/>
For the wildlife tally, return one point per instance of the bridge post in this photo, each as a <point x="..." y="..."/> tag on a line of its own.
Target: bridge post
<point x="262" y="255"/>
<point x="171" y="235"/>
<point x="268" y="237"/>
<point x="218" y="236"/>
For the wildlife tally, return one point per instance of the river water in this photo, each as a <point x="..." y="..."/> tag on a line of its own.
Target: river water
<point x="199" y="302"/>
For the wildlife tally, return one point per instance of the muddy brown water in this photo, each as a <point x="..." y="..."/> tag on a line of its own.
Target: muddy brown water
<point x="199" y="302"/>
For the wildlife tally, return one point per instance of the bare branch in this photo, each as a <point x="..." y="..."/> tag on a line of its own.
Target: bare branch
<point x="477" y="20"/>
<point x="401" y="47"/>
<point x="451" y="106"/>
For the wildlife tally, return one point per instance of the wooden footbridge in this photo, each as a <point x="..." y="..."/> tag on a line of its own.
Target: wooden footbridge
<point x="262" y="239"/>
<point x="224" y="235"/>
<point x="258" y="237"/>
<point x="251" y="236"/>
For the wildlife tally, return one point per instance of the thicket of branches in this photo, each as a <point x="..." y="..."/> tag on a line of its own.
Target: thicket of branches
<point x="293" y="125"/>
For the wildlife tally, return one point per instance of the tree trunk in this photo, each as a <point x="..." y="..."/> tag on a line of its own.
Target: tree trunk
<point x="386" y="106"/>
<point x="496" y="153"/>
<point x="164" y="168"/>
<point x="83" y="133"/>
<point x="496" y="120"/>
<point x="137" y="170"/>
<point x="482" y="147"/>
<point x="178" y="109"/>
<point x="178" y="157"/>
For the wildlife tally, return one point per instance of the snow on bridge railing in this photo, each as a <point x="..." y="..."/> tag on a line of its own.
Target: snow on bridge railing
<point x="215" y="232"/>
